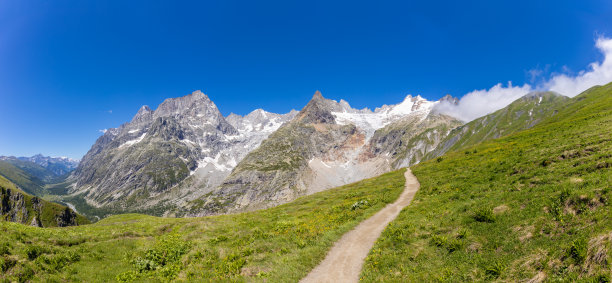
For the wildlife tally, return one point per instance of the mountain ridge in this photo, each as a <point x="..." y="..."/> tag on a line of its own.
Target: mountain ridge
<point x="185" y="158"/>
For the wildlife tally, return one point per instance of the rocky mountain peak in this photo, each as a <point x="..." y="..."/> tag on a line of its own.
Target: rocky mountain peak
<point x="317" y="111"/>
<point x="233" y="119"/>
<point x="317" y="95"/>
<point x="144" y="114"/>
<point x="192" y="104"/>
<point x="449" y="99"/>
<point x="257" y="114"/>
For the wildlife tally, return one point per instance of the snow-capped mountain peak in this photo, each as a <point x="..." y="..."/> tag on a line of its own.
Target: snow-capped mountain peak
<point x="370" y="121"/>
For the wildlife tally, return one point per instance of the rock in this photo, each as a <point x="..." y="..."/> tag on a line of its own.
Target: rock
<point x="35" y="222"/>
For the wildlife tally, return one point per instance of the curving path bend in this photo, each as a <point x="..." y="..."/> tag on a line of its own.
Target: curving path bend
<point x="344" y="261"/>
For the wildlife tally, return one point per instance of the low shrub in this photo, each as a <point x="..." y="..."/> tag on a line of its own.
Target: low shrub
<point x="164" y="257"/>
<point x="5" y="249"/>
<point x="484" y="215"/>
<point x="578" y="250"/>
<point x="495" y="269"/>
<point x="33" y="251"/>
<point x="6" y="263"/>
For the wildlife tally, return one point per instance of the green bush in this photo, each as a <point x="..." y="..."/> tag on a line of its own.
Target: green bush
<point x="34" y="251"/>
<point x="484" y="215"/>
<point x="163" y="257"/>
<point x="495" y="269"/>
<point x="578" y="250"/>
<point x="230" y="265"/>
<point x="6" y="263"/>
<point x="450" y="244"/>
<point x="58" y="261"/>
<point x="5" y="249"/>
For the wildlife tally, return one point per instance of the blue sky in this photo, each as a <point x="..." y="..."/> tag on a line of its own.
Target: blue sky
<point x="71" y="68"/>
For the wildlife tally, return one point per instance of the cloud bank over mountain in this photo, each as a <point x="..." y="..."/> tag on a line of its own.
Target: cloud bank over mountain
<point x="478" y="103"/>
<point x="597" y="73"/>
<point x="482" y="102"/>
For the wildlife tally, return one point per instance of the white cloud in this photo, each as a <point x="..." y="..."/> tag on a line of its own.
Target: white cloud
<point x="482" y="102"/>
<point x="103" y="131"/>
<point x="597" y="73"/>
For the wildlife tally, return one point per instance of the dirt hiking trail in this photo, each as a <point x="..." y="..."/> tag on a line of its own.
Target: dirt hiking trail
<point x="344" y="261"/>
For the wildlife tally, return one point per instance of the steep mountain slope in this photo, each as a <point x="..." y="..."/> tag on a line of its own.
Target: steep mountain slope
<point x="531" y="206"/>
<point x="521" y="114"/>
<point x="138" y="166"/>
<point x="280" y="244"/>
<point x="409" y="140"/>
<point x="325" y="145"/>
<point x="18" y="206"/>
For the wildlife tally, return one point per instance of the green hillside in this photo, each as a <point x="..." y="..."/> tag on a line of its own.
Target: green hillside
<point x="519" y="115"/>
<point x="18" y="206"/>
<point x="279" y="244"/>
<point x="27" y="178"/>
<point x="531" y="205"/>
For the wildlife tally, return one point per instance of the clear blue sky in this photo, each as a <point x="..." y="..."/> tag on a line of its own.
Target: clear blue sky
<point x="65" y="65"/>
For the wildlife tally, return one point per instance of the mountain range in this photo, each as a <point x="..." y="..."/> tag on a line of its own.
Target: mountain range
<point x="521" y="194"/>
<point x="186" y="159"/>
<point x="33" y="173"/>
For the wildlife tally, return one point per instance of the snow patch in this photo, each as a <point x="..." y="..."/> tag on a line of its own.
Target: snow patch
<point x="133" y="142"/>
<point x="217" y="163"/>
<point x="370" y="121"/>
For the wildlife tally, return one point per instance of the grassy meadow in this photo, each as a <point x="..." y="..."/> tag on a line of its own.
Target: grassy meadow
<point x="534" y="205"/>
<point x="278" y="244"/>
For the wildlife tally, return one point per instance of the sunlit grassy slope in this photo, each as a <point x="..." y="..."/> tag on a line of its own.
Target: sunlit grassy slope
<point x="532" y="205"/>
<point x="275" y="245"/>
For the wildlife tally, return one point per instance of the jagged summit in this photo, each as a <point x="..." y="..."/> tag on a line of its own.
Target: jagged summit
<point x="317" y="111"/>
<point x="144" y="114"/>
<point x="193" y="104"/>
<point x="449" y="99"/>
<point x="185" y="137"/>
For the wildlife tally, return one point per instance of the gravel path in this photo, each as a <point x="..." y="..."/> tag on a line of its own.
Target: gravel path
<point x="344" y="261"/>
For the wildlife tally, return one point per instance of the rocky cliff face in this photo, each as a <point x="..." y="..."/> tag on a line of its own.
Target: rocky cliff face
<point x="407" y="141"/>
<point x="17" y="206"/>
<point x="327" y="144"/>
<point x="140" y="165"/>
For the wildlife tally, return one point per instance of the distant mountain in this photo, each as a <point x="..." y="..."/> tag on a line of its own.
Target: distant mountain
<point x="140" y="165"/>
<point x="32" y="174"/>
<point x="18" y="206"/>
<point x="57" y="165"/>
<point x="326" y="145"/>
